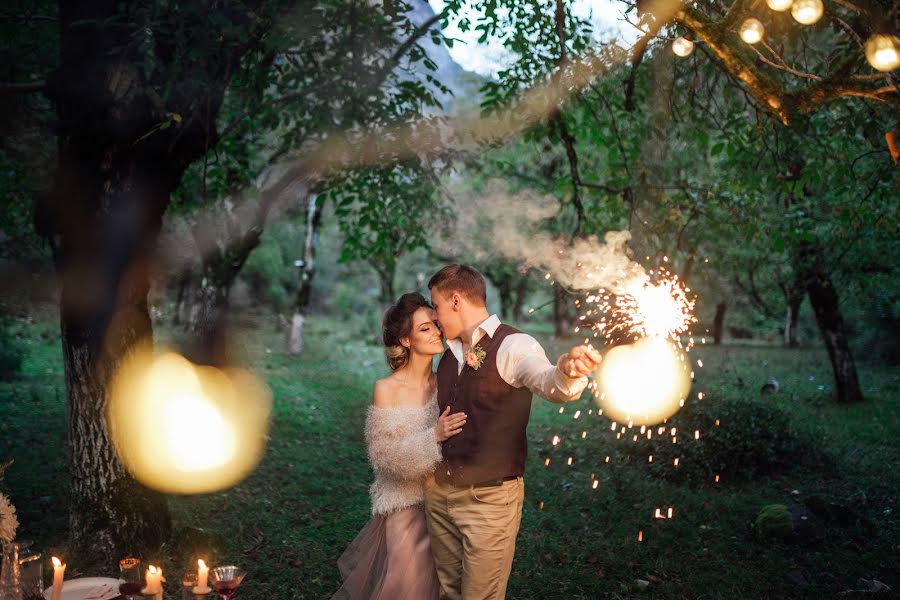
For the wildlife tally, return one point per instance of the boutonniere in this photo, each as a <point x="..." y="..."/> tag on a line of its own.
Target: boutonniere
<point x="475" y="357"/>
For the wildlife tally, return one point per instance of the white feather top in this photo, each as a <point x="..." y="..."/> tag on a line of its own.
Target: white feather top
<point x="402" y="451"/>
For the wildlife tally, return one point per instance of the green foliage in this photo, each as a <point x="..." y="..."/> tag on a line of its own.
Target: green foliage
<point x="753" y="439"/>
<point x="385" y="213"/>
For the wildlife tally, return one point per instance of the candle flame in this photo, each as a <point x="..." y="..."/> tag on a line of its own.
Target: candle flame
<point x="153" y="570"/>
<point x="201" y="564"/>
<point x="56" y="562"/>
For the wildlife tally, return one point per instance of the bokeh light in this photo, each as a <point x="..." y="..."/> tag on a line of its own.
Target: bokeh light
<point x="883" y="52"/>
<point x="682" y="46"/>
<point x="807" y="12"/>
<point x="184" y="428"/>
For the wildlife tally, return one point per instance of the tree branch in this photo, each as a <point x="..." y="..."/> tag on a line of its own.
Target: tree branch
<point x="770" y="93"/>
<point x="556" y="121"/>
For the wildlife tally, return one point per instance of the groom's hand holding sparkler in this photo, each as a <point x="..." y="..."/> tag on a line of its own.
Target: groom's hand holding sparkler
<point x="580" y="361"/>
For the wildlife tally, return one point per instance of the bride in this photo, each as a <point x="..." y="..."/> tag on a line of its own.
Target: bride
<point x="391" y="557"/>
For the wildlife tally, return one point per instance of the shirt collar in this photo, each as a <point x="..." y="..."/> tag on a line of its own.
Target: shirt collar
<point x="487" y="327"/>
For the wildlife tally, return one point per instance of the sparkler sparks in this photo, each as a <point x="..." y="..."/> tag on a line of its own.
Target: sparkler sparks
<point x="645" y="376"/>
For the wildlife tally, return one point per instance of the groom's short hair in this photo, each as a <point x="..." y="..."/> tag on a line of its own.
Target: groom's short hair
<point x="462" y="279"/>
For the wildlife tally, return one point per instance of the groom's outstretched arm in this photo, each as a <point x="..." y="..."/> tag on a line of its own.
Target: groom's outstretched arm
<point x="522" y="362"/>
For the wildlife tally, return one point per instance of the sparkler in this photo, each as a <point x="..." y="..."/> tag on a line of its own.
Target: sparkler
<point x="645" y="376"/>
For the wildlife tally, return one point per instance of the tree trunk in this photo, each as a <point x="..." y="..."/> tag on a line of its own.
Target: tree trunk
<point x="307" y="271"/>
<point x="719" y="323"/>
<point x="225" y="247"/>
<point x="793" y="296"/>
<point x="124" y="139"/>
<point x="183" y="285"/>
<point x="102" y="218"/>
<point x="825" y="304"/>
<point x="521" y="292"/>
<point x="504" y="290"/>
<point x="561" y="319"/>
<point x="386" y="280"/>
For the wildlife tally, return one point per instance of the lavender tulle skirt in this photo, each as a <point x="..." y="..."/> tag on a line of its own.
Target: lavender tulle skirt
<point x="390" y="559"/>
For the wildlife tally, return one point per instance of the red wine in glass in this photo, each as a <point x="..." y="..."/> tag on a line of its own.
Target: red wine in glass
<point x="225" y="589"/>
<point x="128" y="588"/>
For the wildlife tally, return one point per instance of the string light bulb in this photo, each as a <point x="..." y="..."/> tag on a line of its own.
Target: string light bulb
<point x="682" y="46"/>
<point x="883" y="52"/>
<point x="779" y="5"/>
<point x="752" y="30"/>
<point x="807" y="12"/>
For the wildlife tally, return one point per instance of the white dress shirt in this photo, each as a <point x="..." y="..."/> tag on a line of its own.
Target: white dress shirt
<point x="523" y="363"/>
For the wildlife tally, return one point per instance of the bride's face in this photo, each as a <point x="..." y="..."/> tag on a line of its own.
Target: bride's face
<point x="424" y="336"/>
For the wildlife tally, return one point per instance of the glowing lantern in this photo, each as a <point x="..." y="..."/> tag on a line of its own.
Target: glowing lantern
<point x="187" y="429"/>
<point x="779" y="5"/>
<point x="643" y="383"/>
<point x="752" y="30"/>
<point x="682" y="46"/>
<point x="807" y="12"/>
<point x="883" y="52"/>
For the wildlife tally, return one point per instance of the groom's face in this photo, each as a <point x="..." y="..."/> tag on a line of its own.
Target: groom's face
<point x="446" y="314"/>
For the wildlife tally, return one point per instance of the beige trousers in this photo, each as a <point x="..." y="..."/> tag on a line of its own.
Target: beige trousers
<point x="473" y="537"/>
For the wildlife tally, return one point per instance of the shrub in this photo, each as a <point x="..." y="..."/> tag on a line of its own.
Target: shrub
<point x="774" y="520"/>
<point x="752" y="439"/>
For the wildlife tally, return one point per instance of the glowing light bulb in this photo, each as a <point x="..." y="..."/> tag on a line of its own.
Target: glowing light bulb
<point x="682" y="46"/>
<point x="883" y="52"/>
<point x="779" y="5"/>
<point x="752" y="30"/>
<point x="807" y="12"/>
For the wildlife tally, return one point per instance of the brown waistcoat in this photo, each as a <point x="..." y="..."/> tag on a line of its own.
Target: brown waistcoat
<point x="492" y="443"/>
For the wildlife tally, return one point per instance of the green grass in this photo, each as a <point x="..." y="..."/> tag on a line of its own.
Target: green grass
<point x="290" y="520"/>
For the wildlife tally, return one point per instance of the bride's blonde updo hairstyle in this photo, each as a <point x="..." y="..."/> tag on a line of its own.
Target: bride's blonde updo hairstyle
<point x="398" y="324"/>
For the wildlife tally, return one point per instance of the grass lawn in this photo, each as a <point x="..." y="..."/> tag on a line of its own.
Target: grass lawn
<point x="290" y="520"/>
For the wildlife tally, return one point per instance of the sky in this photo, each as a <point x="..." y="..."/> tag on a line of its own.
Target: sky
<point x="486" y="59"/>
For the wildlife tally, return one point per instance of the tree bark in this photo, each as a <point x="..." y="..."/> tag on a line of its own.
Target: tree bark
<point x="102" y="220"/>
<point x="386" y="280"/>
<point x="561" y="318"/>
<point x="182" y="284"/>
<point x="124" y="139"/>
<point x="825" y="304"/>
<point x="719" y="323"/>
<point x="521" y="292"/>
<point x="307" y="272"/>
<point x="225" y="248"/>
<point x="793" y="296"/>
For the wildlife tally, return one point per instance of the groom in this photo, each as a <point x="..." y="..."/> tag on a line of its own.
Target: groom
<point x="489" y="372"/>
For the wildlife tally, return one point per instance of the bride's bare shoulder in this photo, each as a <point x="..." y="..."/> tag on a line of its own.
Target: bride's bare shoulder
<point x="384" y="392"/>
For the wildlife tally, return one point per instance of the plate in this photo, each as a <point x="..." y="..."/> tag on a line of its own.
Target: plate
<point x="87" y="588"/>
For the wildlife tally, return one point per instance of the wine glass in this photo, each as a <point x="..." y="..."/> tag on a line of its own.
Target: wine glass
<point x="130" y="583"/>
<point x="224" y="580"/>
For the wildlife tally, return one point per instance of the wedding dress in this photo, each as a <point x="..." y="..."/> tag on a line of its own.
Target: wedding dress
<point x="390" y="559"/>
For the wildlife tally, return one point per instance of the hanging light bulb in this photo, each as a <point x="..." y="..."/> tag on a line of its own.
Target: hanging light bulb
<point x="807" y="12"/>
<point x="883" y="52"/>
<point x="682" y="46"/>
<point x="779" y="5"/>
<point x="752" y="30"/>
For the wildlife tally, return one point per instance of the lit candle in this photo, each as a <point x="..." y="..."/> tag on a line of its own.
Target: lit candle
<point x="59" y="570"/>
<point x="202" y="578"/>
<point x="153" y="578"/>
